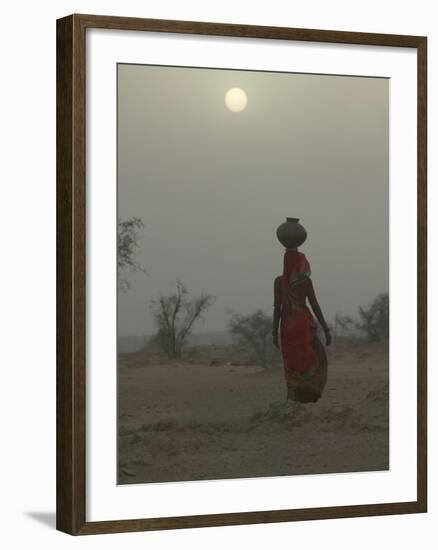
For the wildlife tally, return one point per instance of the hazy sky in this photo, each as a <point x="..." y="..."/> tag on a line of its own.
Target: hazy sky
<point x="212" y="186"/>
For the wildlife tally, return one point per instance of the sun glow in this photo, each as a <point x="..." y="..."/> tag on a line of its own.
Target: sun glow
<point x="236" y="99"/>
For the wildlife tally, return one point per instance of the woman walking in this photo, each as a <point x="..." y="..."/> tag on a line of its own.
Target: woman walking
<point x="294" y="327"/>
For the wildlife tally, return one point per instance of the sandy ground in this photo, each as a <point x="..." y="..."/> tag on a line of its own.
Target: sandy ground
<point x="189" y="422"/>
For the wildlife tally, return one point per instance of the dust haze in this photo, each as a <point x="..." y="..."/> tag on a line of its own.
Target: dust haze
<point x="211" y="186"/>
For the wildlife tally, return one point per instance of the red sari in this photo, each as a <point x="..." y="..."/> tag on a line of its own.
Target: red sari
<point x="304" y="358"/>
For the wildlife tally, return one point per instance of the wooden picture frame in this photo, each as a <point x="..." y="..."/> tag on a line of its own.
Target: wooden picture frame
<point x="71" y="272"/>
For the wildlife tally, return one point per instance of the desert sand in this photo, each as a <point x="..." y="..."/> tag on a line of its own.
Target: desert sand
<point x="182" y="421"/>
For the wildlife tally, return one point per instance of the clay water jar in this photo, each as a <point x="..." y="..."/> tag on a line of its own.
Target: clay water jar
<point x="291" y="233"/>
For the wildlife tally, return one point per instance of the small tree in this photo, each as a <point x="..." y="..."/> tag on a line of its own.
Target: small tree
<point x="127" y="243"/>
<point x="254" y="330"/>
<point x="374" y="319"/>
<point x="344" y="322"/>
<point x="344" y="326"/>
<point x="175" y="316"/>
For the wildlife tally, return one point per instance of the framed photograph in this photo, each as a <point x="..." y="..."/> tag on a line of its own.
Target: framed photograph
<point x="241" y="274"/>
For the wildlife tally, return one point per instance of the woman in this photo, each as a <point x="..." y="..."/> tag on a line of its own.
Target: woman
<point x="304" y="357"/>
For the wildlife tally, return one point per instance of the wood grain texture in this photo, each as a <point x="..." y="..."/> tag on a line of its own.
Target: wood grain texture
<point x="248" y="518"/>
<point x="248" y="31"/>
<point x="71" y="269"/>
<point x="70" y="173"/>
<point x="422" y="274"/>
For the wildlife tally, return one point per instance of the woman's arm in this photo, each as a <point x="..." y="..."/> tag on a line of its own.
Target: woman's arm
<point x="277" y="311"/>
<point x="317" y="311"/>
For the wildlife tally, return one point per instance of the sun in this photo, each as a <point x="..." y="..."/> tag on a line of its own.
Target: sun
<point x="236" y="100"/>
